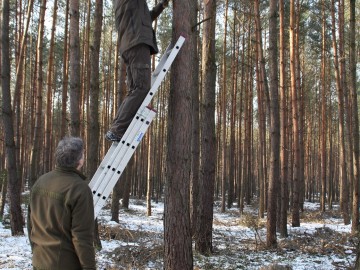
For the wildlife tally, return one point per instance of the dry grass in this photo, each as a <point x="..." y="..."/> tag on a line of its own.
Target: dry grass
<point x="141" y="249"/>
<point x="136" y="257"/>
<point x="137" y="250"/>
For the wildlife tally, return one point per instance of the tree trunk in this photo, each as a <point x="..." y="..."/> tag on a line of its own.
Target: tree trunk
<point x="301" y="98"/>
<point x="344" y="203"/>
<point x="203" y="235"/>
<point x="149" y="180"/>
<point x="50" y="82"/>
<point x="3" y="190"/>
<point x="19" y="93"/>
<point x="295" y="122"/>
<point x="16" y="218"/>
<point x="347" y="108"/>
<point x="355" y="118"/>
<point x="127" y="177"/>
<point x="261" y="89"/>
<point x="94" y="126"/>
<point x="265" y="96"/>
<point x="323" y="113"/>
<point x="74" y="69"/>
<point x="223" y="121"/>
<point x="274" y="127"/>
<point x="65" y="75"/>
<point x="246" y="164"/>
<point x="241" y="151"/>
<point x="249" y="129"/>
<point x="85" y="79"/>
<point x="120" y="91"/>
<point x="94" y="92"/>
<point x="284" y="203"/>
<point x="233" y="175"/>
<point x="38" y="129"/>
<point x="195" y="145"/>
<point x="177" y="228"/>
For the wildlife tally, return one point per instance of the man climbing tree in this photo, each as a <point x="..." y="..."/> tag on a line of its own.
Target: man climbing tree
<point x="137" y="43"/>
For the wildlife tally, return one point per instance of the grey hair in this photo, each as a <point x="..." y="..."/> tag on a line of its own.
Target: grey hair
<point x="69" y="152"/>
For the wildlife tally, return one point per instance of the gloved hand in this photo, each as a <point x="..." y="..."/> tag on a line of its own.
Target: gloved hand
<point x="156" y="11"/>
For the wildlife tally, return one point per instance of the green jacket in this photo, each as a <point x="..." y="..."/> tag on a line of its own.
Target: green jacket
<point x="133" y="21"/>
<point x="61" y="221"/>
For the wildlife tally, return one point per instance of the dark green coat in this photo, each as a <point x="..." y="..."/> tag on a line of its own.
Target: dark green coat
<point x="61" y="221"/>
<point x="133" y="21"/>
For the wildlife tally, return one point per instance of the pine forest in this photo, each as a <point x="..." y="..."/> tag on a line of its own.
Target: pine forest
<point x="259" y="108"/>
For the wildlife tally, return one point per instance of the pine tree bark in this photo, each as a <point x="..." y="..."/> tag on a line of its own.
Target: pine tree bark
<point x="284" y="202"/>
<point x="48" y="156"/>
<point x="127" y="178"/>
<point x="3" y="188"/>
<point x="14" y="183"/>
<point x="195" y="145"/>
<point x="355" y="118"/>
<point x="274" y="127"/>
<point x="65" y="75"/>
<point x="323" y="112"/>
<point x="94" y="125"/>
<point x="74" y="69"/>
<point x="224" y="169"/>
<point x="149" y="178"/>
<point x="301" y="98"/>
<point x="119" y="91"/>
<point x="38" y="128"/>
<point x="261" y="89"/>
<point x="94" y="92"/>
<point x="19" y="91"/>
<point x="177" y="228"/>
<point x="233" y="172"/>
<point x="203" y="234"/>
<point x="295" y="122"/>
<point x="249" y="124"/>
<point x="344" y="194"/>
<point x="347" y="103"/>
<point x="241" y="147"/>
<point x="86" y="73"/>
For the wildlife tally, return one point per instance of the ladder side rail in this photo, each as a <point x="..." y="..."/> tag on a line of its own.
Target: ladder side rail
<point x="165" y="56"/>
<point x="98" y="177"/>
<point x="102" y="165"/>
<point x="163" y="72"/>
<point x="103" y="195"/>
<point x="118" y="154"/>
<point x="161" y="63"/>
<point x="124" y="156"/>
<point x="101" y="175"/>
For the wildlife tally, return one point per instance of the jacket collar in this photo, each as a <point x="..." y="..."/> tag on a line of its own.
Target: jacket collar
<point x="70" y="169"/>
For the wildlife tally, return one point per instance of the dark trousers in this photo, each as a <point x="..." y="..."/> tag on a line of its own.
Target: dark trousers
<point x="138" y="80"/>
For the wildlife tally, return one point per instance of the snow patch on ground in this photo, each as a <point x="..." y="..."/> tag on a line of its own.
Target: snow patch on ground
<point x="235" y="245"/>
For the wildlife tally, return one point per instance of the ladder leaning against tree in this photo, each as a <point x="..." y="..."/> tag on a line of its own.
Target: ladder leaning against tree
<point x="119" y="153"/>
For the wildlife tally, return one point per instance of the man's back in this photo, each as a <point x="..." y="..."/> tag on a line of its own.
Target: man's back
<point x="62" y="221"/>
<point x="134" y="24"/>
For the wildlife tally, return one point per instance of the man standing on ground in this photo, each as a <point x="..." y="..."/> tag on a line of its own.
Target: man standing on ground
<point x="61" y="213"/>
<point x="137" y="43"/>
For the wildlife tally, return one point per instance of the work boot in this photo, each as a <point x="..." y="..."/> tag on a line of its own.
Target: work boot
<point x="110" y="136"/>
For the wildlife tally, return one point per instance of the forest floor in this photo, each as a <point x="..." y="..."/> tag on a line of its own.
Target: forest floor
<point x="136" y="242"/>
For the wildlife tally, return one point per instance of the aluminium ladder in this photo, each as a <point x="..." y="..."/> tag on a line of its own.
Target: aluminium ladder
<point x="119" y="153"/>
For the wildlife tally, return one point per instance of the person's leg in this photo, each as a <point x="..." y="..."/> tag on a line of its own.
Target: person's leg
<point x="138" y="71"/>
